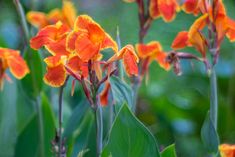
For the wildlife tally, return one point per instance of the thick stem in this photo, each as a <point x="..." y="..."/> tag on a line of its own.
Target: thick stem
<point x="41" y="127"/>
<point x="99" y="129"/>
<point x="213" y="97"/>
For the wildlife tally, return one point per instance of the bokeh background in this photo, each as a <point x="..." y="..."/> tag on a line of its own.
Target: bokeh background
<point x="172" y="107"/>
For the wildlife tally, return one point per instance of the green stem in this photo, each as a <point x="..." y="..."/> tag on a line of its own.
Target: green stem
<point x="41" y="127"/>
<point x="99" y="130"/>
<point x="213" y="97"/>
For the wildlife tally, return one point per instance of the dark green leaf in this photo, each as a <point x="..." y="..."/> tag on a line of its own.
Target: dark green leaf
<point x="121" y="92"/>
<point x="209" y="135"/>
<point x="130" y="138"/>
<point x="169" y="151"/>
<point x="32" y="83"/>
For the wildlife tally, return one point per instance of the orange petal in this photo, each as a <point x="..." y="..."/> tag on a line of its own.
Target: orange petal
<point x="195" y="37"/>
<point x="85" y="49"/>
<point x="161" y="58"/>
<point x="147" y="50"/>
<point x="58" y="47"/>
<point x="96" y="33"/>
<point x="221" y="27"/>
<point x="231" y="30"/>
<point x="82" y="22"/>
<point x="69" y="12"/>
<point x="55" y="75"/>
<point x="227" y="150"/>
<point x="190" y="6"/>
<point x="168" y="9"/>
<point x="70" y="41"/>
<point x="37" y="19"/>
<point x="104" y="95"/>
<point x="153" y="9"/>
<point x="108" y="42"/>
<point x="180" y="41"/>
<point x="54" y="16"/>
<point x="129" y="1"/>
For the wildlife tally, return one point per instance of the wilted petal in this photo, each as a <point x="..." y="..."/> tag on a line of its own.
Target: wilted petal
<point x="180" y="41"/>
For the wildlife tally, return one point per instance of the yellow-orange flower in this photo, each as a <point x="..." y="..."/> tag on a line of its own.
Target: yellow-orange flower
<point x="11" y="59"/>
<point x="227" y="150"/>
<point x="66" y="15"/>
<point x="88" y="38"/>
<point x="168" y="9"/>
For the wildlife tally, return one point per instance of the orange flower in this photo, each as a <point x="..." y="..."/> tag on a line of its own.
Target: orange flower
<point x="66" y="15"/>
<point x="153" y="9"/>
<point x="190" y="6"/>
<point x="168" y="9"/>
<point x="227" y="150"/>
<point x="11" y="59"/>
<point x="88" y="39"/>
<point x="130" y="59"/>
<point x="181" y="40"/>
<point x="152" y="51"/>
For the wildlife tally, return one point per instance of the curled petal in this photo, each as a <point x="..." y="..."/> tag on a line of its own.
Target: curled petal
<point x="168" y="9"/>
<point x="105" y="94"/>
<point x="147" y="50"/>
<point x="55" y="76"/>
<point x="161" y="58"/>
<point x="108" y="42"/>
<point x="37" y="19"/>
<point x="190" y="6"/>
<point x="153" y="9"/>
<point x="180" y="41"/>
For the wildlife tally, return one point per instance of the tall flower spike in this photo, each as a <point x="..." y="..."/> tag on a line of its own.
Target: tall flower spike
<point x="11" y="59"/>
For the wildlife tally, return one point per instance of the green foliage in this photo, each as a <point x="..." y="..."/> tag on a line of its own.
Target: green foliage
<point x="129" y="137"/>
<point x="169" y="151"/>
<point x="32" y="83"/>
<point x="209" y="135"/>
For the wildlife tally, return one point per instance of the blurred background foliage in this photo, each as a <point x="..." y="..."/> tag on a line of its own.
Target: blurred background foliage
<point x="172" y="107"/>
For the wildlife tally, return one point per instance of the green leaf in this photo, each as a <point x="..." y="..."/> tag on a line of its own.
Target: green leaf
<point x="32" y="83"/>
<point x="209" y="135"/>
<point x="28" y="140"/>
<point x="121" y="92"/>
<point x="130" y="138"/>
<point x="169" y="151"/>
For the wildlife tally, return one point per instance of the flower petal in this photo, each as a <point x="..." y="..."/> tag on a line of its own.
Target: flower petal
<point x="190" y="6"/>
<point x="161" y="58"/>
<point x="69" y="12"/>
<point x="168" y="9"/>
<point x="153" y="9"/>
<point x="104" y="95"/>
<point x="147" y="50"/>
<point x="37" y="19"/>
<point x="180" y="41"/>
<point x="70" y="41"/>
<point x="227" y="150"/>
<point x="108" y="42"/>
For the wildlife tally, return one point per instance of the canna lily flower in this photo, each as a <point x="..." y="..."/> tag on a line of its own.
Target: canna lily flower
<point x="53" y="37"/>
<point x="11" y="59"/>
<point x="152" y="51"/>
<point x="191" y="6"/>
<point x="130" y="59"/>
<point x="227" y="150"/>
<point x="167" y="9"/>
<point x="66" y="15"/>
<point x="88" y="38"/>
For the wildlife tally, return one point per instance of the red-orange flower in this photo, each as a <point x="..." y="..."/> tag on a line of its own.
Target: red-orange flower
<point x="152" y="51"/>
<point x="168" y="9"/>
<point x="153" y="9"/>
<point x="88" y="38"/>
<point x="227" y="150"/>
<point x="11" y="59"/>
<point x="66" y="15"/>
<point x="130" y="59"/>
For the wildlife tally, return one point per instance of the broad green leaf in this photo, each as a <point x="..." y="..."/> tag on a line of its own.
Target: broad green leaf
<point x="32" y="83"/>
<point x="130" y="138"/>
<point x="8" y="119"/>
<point x="121" y="92"/>
<point x="209" y="135"/>
<point x="169" y="151"/>
<point x="28" y="140"/>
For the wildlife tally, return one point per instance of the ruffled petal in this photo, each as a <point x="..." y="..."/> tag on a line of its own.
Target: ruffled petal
<point x="180" y="41"/>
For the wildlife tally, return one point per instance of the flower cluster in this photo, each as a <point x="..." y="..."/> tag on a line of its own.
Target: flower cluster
<point x="11" y="59"/>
